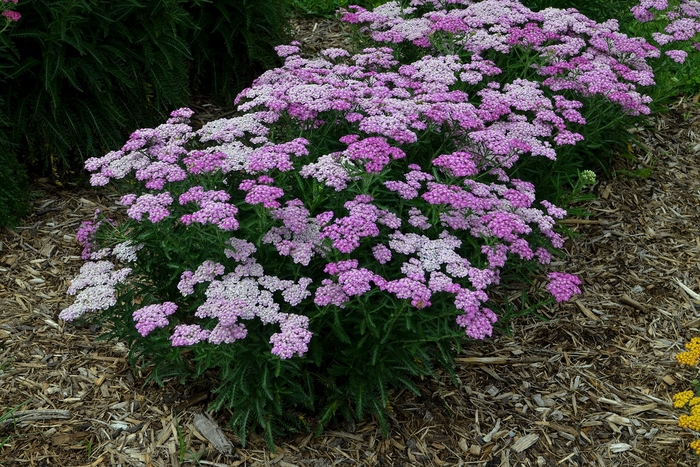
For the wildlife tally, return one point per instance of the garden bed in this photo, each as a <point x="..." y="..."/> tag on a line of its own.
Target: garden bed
<point x="593" y="385"/>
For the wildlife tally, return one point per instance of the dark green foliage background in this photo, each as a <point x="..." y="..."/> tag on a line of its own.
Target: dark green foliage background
<point x="328" y="8"/>
<point x="78" y="76"/>
<point x="232" y="43"/>
<point x="14" y="194"/>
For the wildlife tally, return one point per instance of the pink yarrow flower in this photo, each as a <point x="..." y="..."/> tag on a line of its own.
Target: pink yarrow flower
<point x="154" y="316"/>
<point x="563" y="286"/>
<point x="95" y="287"/>
<point x="11" y="15"/>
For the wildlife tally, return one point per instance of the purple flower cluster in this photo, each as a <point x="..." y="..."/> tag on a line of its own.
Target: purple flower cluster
<point x="10" y="15"/>
<point x="204" y="161"/>
<point x="242" y="250"/>
<point x="261" y="191"/>
<point x="276" y="156"/>
<point x="153" y="205"/>
<point x="346" y="232"/>
<point x="86" y="237"/>
<point x="375" y="152"/>
<point x="154" y="316"/>
<point x="293" y="338"/>
<point x="563" y="286"/>
<point x="683" y="23"/>
<point x="188" y="334"/>
<point x="244" y="294"/>
<point x="298" y="237"/>
<point x="213" y="208"/>
<point x="153" y="154"/>
<point x="206" y="272"/>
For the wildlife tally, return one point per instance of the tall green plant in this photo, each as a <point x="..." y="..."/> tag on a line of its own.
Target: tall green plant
<point x="13" y="178"/>
<point x="233" y="42"/>
<point x="14" y="189"/>
<point x="88" y="71"/>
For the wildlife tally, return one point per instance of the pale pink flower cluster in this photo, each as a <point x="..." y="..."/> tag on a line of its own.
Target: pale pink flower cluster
<point x="95" y="287"/>
<point x="245" y="294"/>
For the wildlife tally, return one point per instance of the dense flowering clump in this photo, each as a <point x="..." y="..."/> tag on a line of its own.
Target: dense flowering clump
<point x="373" y="192"/>
<point x="576" y="53"/>
<point x="359" y="210"/>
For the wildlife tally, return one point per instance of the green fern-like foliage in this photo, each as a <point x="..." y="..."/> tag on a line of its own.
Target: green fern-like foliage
<point x="355" y="361"/>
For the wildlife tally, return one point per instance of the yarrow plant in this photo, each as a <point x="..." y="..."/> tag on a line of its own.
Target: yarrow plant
<point x="344" y="232"/>
<point x="689" y="401"/>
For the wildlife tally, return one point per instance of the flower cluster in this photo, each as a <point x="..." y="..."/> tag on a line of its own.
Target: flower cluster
<point x="95" y="287"/>
<point x="563" y="286"/>
<point x="689" y="400"/>
<point x="692" y="356"/>
<point x="692" y="420"/>
<point x="244" y="294"/>
<point x="151" y="317"/>
<point x="10" y="15"/>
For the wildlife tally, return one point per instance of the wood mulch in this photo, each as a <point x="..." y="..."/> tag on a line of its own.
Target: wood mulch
<point x="591" y="386"/>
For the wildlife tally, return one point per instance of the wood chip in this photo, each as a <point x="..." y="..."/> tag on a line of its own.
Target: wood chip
<point x="22" y="417"/>
<point x="619" y="447"/>
<point x="633" y="303"/>
<point x="525" y="442"/>
<point x="586" y="311"/>
<point x="208" y="427"/>
<point x="482" y="360"/>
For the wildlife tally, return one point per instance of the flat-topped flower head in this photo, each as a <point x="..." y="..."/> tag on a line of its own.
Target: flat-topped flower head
<point x="563" y="286"/>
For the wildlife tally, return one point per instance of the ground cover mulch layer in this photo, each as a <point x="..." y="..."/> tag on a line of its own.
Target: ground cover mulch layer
<point x="590" y="386"/>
